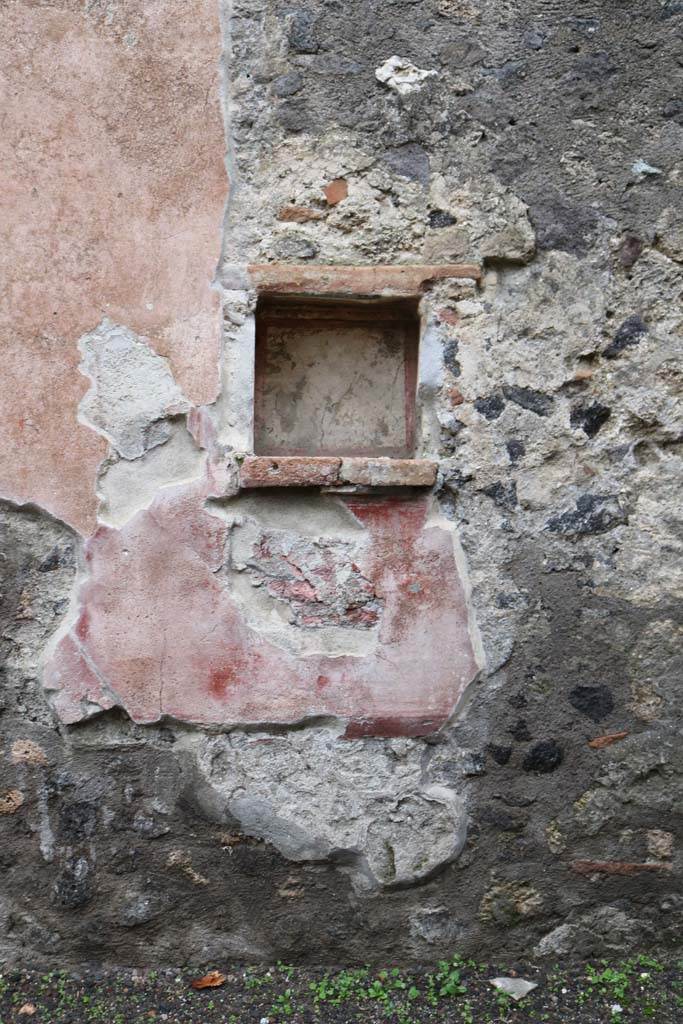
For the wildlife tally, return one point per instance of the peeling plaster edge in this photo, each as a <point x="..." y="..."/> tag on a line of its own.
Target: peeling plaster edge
<point x="71" y="614"/>
<point x="436" y="519"/>
<point x="225" y="10"/>
<point x="163" y="489"/>
<point x="66" y="628"/>
<point x="32" y="506"/>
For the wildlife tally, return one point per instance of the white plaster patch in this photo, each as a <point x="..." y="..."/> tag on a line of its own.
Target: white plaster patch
<point x="127" y="486"/>
<point x="132" y="390"/>
<point x="312" y="794"/>
<point x="233" y="411"/>
<point x="402" y="75"/>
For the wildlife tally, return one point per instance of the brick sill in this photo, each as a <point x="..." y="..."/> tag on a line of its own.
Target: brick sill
<point x="335" y="472"/>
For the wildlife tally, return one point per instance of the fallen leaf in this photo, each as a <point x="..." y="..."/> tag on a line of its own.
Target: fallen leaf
<point x="516" y="988"/>
<point x="27" y="1010"/>
<point x="211" y="980"/>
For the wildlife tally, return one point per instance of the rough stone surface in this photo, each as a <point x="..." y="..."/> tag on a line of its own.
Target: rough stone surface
<point x="548" y="161"/>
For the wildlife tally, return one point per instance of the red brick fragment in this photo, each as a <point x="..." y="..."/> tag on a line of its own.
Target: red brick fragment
<point x="289" y="471"/>
<point x="448" y="316"/>
<point x="606" y="741"/>
<point x="298" y="214"/>
<point x="336" y="191"/>
<point x="390" y="725"/>
<point x="615" y="867"/>
<point x="455" y="397"/>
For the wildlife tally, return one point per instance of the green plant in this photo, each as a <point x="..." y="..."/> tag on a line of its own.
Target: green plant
<point x="339" y="989"/>
<point x="283" y="1005"/>
<point x="254" y="980"/>
<point x="446" y="982"/>
<point x="467" y="1014"/>
<point x="612" y="981"/>
<point x="285" y="969"/>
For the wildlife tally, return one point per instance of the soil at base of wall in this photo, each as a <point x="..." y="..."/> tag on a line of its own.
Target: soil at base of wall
<point x="635" y="990"/>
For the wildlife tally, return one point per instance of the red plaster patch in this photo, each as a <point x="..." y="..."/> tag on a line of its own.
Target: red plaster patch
<point x="166" y="637"/>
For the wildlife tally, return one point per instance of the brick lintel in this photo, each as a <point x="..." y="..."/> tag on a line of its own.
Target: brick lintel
<point x="323" y="279"/>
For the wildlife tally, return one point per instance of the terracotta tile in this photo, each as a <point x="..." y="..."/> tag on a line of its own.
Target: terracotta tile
<point x="289" y="471"/>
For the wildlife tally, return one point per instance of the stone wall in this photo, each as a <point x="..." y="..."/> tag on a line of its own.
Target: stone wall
<point x="225" y="731"/>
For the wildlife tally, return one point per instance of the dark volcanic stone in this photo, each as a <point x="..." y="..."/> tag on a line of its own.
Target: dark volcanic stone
<point x="590" y="418"/>
<point x="673" y="110"/>
<point x="450" y="360"/>
<point x="629" y="333"/>
<point x="594" y="514"/>
<point x="287" y="85"/>
<point x="77" y="820"/>
<point x="543" y="757"/>
<point x="301" y="33"/>
<point x="529" y="398"/>
<point x="50" y="563"/>
<point x="629" y="251"/>
<point x="520" y="731"/>
<point x="501" y="755"/>
<point x="440" y="219"/>
<point x="490" y="407"/>
<point x="504" y="495"/>
<point x="596" y="702"/>
<point x="503" y="820"/>
<point x="561" y="223"/>
<point x="73" y="888"/>
<point x="295" y="116"/>
<point x="515" y="449"/>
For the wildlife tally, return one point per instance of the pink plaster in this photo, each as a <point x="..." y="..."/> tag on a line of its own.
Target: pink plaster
<point x="113" y="187"/>
<point x="160" y="633"/>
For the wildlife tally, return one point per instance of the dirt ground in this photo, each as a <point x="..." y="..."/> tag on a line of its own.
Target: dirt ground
<point x="632" y="991"/>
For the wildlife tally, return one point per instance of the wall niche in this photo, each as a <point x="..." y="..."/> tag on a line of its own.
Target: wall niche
<point x="335" y="377"/>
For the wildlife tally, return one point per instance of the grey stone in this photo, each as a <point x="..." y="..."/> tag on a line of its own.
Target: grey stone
<point x="288" y="85"/>
<point x="409" y="161"/>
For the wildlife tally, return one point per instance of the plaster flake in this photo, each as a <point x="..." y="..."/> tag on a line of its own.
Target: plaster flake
<point x="126" y="486"/>
<point x="320" y="582"/>
<point x="402" y="75"/>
